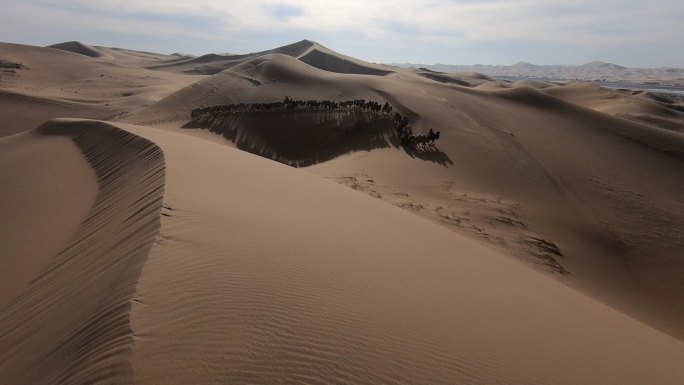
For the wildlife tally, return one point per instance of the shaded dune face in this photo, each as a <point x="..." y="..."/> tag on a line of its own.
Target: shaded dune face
<point x="71" y="324"/>
<point x="79" y="48"/>
<point x="269" y="274"/>
<point x="303" y="138"/>
<point x="29" y="111"/>
<point x="333" y="63"/>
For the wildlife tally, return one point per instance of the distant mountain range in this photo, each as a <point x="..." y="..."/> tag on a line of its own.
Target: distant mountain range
<point x="594" y="71"/>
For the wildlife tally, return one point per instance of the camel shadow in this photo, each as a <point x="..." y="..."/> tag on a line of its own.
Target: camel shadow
<point x="429" y="154"/>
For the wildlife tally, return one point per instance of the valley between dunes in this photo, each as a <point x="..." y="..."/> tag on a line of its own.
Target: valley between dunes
<point x="538" y="241"/>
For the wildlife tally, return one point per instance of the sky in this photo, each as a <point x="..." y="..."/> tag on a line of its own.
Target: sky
<point x="572" y="32"/>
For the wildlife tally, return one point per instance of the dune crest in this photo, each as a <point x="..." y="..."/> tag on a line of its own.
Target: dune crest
<point x="70" y="325"/>
<point x="329" y="61"/>
<point x="79" y="48"/>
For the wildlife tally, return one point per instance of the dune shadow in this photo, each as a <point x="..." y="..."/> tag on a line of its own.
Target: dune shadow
<point x="299" y="139"/>
<point x="304" y="138"/>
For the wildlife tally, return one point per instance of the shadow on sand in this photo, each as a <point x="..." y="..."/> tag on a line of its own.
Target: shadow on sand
<point x="305" y="138"/>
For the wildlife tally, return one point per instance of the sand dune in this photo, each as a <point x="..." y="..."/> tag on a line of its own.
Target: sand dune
<point x="211" y="64"/>
<point x="538" y="241"/>
<point x="36" y="201"/>
<point x="79" y="48"/>
<point x="468" y="79"/>
<point x="42" y="67"/>
<point x="48" y="83"/>
<point x="120" y="55"/>
<point x="21" y="111"/>
<point x="639" y="106"/>
<point x="327" y="61"/>
<point x="141" y="58"/>
<point x="264" y="79"/>
<point x="307" y="51"/>
<point x="555" y="169"/>
<point x="267" y="288"/>
<point x="69" y="324"/>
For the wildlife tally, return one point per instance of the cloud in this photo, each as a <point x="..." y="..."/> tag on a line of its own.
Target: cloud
<point x="581" y="23"/>
<point x="32" y="18"/>
<point x="463" y="20"/>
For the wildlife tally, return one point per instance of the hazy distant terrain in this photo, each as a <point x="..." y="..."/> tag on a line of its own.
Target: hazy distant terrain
<point x="593" y="71"/>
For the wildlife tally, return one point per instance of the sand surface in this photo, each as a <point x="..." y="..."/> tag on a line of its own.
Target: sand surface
<point x="537" y="242"/>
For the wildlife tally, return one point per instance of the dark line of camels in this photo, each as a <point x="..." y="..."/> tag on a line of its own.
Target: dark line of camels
<point x="377" y="110"/>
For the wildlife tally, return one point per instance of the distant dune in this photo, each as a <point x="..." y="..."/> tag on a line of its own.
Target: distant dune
<point x="307" y="51"/>
<point x="79" y="48"/>
<point x="593" y="71"/>
<point x="536" y="241"/>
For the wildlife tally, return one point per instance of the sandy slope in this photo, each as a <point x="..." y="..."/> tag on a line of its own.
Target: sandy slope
<point x="267" y="274"/>
<point x="639" y="106"/>
<point x="22" y="111"/>
<point x="468" y="79"/>
<point x="65" y="319"/>
<point x="45" y="83"/>
<point x="45" y="211"/>
<point x="80" y="48"/>
<point x="306" y="51"/>
<point x="262" y="273"/>
<point x="519" y="167"/>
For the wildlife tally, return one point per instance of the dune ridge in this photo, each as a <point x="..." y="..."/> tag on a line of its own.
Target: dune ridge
<point x="71" y="325"/>
<point x="306" y="51"/>
<point x="79" y="48"/>
<point x="330" y="61"/>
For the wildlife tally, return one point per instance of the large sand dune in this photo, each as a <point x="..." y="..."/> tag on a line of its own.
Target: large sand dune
<point x="79" y="48"/>
<point x="536" y="242"/>
<point x="517" y="167"/>
<point x="307" y="51"/>
<point x="66" y="321"/>
<point x="305" y="281"/>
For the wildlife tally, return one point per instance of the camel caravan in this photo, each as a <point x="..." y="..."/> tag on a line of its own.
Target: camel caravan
<point x="372" y="108"/>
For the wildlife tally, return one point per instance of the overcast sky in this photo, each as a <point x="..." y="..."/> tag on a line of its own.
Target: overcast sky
<point x="626" y="32"/>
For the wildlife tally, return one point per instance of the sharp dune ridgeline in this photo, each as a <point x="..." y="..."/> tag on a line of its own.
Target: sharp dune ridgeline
<point x="301" y="216"/>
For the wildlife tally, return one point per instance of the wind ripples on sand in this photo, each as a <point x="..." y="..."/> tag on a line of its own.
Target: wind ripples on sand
<point x="71" y="325"/>
<point x="217" y="310"/>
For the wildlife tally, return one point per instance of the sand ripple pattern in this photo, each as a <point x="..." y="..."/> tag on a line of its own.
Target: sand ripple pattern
<point x="72" y="324"/>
